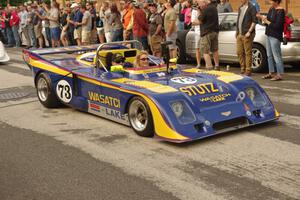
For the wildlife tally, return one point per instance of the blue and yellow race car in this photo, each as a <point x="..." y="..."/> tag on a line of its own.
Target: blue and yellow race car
<point x="161" y="100"/>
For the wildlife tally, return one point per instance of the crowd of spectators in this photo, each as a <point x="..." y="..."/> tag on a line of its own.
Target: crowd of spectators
<point x="53" y="25"/>
<point x="42" y="25"/>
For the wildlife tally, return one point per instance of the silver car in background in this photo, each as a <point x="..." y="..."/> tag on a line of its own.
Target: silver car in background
<point x="3" y="55"/>
<point x="227" y="44"/>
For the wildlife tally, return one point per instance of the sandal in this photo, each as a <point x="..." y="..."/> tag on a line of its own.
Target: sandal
<point x="276" y="78"/>
<point x="268" y="76"/>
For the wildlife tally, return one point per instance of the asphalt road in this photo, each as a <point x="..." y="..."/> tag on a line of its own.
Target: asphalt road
<point x="67" y="154"/>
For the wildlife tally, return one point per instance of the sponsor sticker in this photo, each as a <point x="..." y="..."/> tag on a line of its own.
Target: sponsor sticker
<point x="107" y="100"/>
<point x="200" y="89"/>
<point x="108" y="113"/>
<point x="184" y="80"/>
<point x="215" y="98"/>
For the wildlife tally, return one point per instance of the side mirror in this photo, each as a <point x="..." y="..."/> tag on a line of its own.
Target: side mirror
<point x="173" y="60"/>
<point x="117" y="68"/>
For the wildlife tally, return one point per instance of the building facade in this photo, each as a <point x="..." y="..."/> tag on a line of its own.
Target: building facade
<point x="292" y="6"/>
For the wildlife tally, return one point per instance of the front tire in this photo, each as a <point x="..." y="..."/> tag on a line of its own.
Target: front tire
<point x="259" y="58"/>
<point x="140" y="117"/>
<point x="45" y="94"/>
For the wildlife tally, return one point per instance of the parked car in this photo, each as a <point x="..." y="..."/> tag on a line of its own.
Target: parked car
<point x="3" y="55"/>
<point x="227" y="44"/>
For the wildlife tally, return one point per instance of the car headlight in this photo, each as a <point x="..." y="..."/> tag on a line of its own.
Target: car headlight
<point x="256" y="97"/>
<point x="183" y="112"/>
<point x="177" y="108"/>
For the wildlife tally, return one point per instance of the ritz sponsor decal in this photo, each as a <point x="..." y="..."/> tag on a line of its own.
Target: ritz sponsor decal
<point x="103" y="99"/>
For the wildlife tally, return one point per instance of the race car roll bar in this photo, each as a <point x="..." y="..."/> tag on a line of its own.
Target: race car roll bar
<point x="132" y="43"/>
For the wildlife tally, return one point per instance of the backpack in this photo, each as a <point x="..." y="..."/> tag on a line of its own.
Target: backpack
<point x="287" y="30"/>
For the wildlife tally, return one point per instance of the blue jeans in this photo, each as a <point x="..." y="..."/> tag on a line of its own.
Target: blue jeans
<point x="9" y="35"/>
<point x="70" y="34"/>
<point x="15" y="30"/>
<point x="117" y="35"/>
<point x="48" y="36"/>
<point x="143" y="40"/>
<point x="274" y="54"/>
<point x="180" y="25"/>
<point x="3" y="33"/>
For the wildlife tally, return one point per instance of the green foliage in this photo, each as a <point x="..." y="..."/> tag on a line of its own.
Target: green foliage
<point x="296" y="22"/>
<point x="290" y="15"/>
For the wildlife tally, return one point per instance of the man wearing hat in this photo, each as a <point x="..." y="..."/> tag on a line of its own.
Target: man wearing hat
<point x="155" y="30"/>
<point x="77" y="20"/>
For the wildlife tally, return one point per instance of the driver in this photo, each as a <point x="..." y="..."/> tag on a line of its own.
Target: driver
<point x="118" y="59"/>
<point x="142" y="60"/>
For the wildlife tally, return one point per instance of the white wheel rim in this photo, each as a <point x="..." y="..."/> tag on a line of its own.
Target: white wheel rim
<point x="257" y="58"/>
<point x="42" y="88"/>
<point x="138" y="115"/>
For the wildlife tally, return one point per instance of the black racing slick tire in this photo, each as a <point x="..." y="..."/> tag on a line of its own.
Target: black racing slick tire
<point x="140" y="117"/>
<point x="259" y="58"/>
<point x="45" y="94"/>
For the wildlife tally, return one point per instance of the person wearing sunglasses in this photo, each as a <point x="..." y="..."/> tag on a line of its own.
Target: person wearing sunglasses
<point x="142" y="60"/>
<point x="118" y="59"/>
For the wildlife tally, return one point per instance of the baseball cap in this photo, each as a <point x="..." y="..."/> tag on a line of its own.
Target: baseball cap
<point x="135" y="3"/>
<point x="74" y="5"/>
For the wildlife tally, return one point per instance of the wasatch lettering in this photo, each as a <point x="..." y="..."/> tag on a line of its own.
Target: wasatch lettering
<point x="107" y="100"/>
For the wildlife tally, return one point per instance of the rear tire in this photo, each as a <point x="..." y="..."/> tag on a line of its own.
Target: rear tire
<point x="140" y="117"/>
<point x="259" y="58"/>
<point x="45" y="94"/>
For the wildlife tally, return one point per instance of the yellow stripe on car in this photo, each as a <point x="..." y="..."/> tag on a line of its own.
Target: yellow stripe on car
<point x="150" y="70"/>
<point x="48" y="67"/>
<point x="226" y="77"/>
<point x="154" y="87"/>
<point x="277" y="114"/>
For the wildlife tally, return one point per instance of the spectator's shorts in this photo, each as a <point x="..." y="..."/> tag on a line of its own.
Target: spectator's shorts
<point x="155" y="41"/>
<point x="38" y="31"/>
<point x="172" y="38"/>
<point x="100" y="31"/>
<point x="86" y="37"/>
<point x="197" y="41"/>
<point x="55" y="33"/>
<point x="77" y="33"/>
<point x="209" y="43"/>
